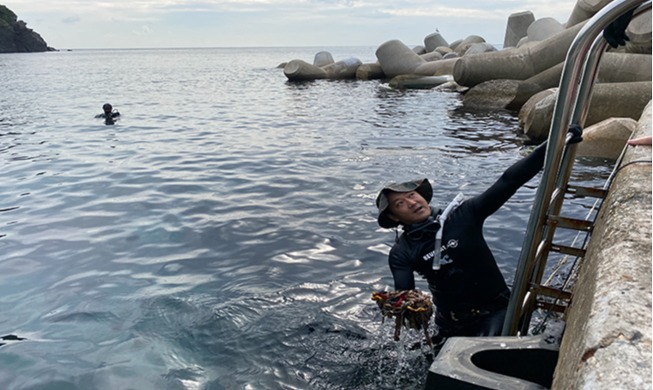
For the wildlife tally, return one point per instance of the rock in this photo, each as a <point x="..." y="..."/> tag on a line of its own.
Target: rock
<point x="607" y="138"/>
<point x="16" y="37"/>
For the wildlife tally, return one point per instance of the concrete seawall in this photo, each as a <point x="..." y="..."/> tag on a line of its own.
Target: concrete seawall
<point x="607" y="340"/>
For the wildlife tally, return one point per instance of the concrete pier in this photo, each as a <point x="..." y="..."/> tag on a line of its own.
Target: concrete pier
<point x="607" y="340"/>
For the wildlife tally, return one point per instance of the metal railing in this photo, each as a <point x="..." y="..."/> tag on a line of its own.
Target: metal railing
<point x="571" y="107"/>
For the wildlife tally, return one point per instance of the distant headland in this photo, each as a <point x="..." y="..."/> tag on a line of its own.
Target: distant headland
<point x="15" y="37"/>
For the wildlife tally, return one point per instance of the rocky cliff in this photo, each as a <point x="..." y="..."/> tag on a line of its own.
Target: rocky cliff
<point x="15" y="37"/>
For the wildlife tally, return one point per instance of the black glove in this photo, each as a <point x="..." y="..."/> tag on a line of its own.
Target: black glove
<point x="575" y="134"/>
<point x="615" y="33"/>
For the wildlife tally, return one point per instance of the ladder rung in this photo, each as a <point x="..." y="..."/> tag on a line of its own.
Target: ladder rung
<point x="551" y="307"/>
<point x="569" y="223"/>
<point x="587" y="191"/>
<point x="568" y="250"/>
<point x="578" y="191"/>
<point x="551" y="292"/>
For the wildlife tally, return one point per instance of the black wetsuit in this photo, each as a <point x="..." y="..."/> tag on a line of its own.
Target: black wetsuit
<point x="104" y="115"/>
<point x="109" y="118"/>
<point x="469" y="287"/>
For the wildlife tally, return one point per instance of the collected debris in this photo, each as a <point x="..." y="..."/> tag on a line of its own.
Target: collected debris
<point x="410" y="308"/>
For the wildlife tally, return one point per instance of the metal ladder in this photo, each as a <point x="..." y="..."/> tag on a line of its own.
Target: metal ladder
<point x="574" y="93"/>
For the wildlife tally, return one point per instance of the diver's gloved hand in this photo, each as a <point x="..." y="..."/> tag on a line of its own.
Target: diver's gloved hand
<point x="574" y="134"/>
<point x="615" y="33"/>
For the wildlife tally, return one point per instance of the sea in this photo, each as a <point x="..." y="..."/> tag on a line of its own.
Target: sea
<point x="222" y="233"/>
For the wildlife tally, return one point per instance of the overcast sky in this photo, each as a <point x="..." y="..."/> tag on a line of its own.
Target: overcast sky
<point x="78" y="24"/>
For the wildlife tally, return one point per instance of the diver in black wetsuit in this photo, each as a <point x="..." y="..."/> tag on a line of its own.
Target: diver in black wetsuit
<point x="469" y="291"/>
<point x="109" y="114"/>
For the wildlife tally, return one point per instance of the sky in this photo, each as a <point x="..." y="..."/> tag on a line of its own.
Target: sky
<point x="111" y="24"/>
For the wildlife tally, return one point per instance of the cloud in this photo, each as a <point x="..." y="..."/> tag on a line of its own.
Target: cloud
<point x="273" y="22"/>
<point x="143" y="31"/>
<point x="71" y="19"/>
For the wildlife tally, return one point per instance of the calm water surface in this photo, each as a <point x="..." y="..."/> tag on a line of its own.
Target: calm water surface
<point x="222" y="234"/>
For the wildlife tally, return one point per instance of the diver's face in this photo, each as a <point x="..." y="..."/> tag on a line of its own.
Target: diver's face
<point x="407" y="208"/>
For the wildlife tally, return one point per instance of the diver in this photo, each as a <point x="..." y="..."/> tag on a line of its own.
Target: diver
<point x="110" y="115"/>
<point x="447" y="248"/>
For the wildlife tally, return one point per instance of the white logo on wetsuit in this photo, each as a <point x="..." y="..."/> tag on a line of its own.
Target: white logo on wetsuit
<point x="445" y="259"/>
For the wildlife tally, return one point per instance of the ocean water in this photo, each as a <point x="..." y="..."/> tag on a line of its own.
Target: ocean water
<point x="222" y="234"/>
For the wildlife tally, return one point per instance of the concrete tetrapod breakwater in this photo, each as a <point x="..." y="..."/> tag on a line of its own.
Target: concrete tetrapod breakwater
<point x="530" y="62"/>
<point x="607" y="138"/>
<point x="513" y="94"/>
<point x="515" y="64"/>
<point x="585" y="9"/>
<point x="607" y="340"/>
<point x="625" y="100"/>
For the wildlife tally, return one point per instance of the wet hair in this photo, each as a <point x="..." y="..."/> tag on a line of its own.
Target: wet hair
<point x="107" y="107"/>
